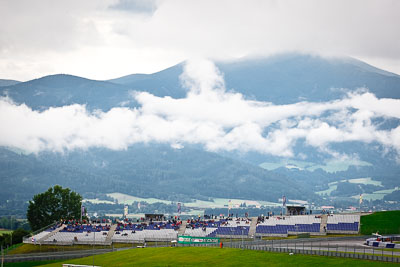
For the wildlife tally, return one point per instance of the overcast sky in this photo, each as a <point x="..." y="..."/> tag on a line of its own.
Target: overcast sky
<point x="103" y="39"/>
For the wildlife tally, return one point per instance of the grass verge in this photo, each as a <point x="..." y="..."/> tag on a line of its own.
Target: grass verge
<point x="189" y="256"/>
<point x="30" y="248"/>
<point x="384" y="222"/>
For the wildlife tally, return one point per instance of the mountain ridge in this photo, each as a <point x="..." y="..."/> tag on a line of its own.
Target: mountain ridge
<point x="280" y="80"/>
<point x="141" y="170"/>
<point x="284" y="79"/>
<point x="7" y="82"/>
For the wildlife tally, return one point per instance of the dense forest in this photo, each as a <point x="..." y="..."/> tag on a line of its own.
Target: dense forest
<point x="144" y="171"/>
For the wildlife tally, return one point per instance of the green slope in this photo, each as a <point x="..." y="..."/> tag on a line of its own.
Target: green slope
<point x="156" y="171"/>
<point x="385" y="222"/>
<point x="211" y="257"/>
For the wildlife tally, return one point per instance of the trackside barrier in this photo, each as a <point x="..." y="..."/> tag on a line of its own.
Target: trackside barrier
<point x="377" y="255"/>
<point x="314" y="247"/>
<point x="54" y="255"/>
<point x="299" y="246"/>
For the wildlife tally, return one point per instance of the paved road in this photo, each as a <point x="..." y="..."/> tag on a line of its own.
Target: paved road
<point x="57" y="255"/>
<point x="349" y="246"/>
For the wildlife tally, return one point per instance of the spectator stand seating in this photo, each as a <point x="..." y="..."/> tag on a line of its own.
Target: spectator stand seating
<point x="343" y="223"/>
<point x="128" y="232"/>
<point x="283" y="225"/>
<point x="79" y="234"/>
<point x="141" y="232"/>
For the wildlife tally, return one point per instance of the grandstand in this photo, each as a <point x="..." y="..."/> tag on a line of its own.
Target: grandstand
<point x="135" y="233"/>
<point x="226" y="227"/>
<point x="284" y="225"/>
<point x="77" y="237"/>
<point x="200" y="232"/>
<point x="339" y="223"/>
<point x="140" y="232"/>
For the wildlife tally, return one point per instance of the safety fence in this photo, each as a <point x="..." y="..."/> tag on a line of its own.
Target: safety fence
<point x="332" y="247"/>
<point x="328" y="248"/>
<point x="54" y="255"/>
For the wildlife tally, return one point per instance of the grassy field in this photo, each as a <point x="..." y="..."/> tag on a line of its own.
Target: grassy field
<point x="202" y="204"/>
<point x="8" y="250"/>
<point x="330" y="166"/>
<point x="5" y="231"/>
<point x="385" y="222"/>
<point x="189" y="256"/>
<point x="29" y="248"/>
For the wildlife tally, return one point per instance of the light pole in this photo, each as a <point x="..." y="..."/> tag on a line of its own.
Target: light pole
<point x="94" y="238"/>
<point x="11" y="229"/>
<point x="232" y="230"/>
<point x="242" y="238"/>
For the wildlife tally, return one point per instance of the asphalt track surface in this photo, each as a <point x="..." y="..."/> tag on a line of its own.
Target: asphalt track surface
<point x="348" y="245"/>
<point x="343" y="245"/>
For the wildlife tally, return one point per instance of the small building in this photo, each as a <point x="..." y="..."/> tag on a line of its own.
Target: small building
<point x="154" y="217"/>
<point x="295" y="210"/>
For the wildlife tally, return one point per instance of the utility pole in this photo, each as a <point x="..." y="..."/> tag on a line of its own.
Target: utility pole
<point x="94" y="238"/>
<point x="242" y="238"/>
<point x="11" y="229"/>
<point x="232" y="230"/>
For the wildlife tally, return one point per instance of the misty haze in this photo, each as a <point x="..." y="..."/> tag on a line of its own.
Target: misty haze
<point x="191" y="111"/>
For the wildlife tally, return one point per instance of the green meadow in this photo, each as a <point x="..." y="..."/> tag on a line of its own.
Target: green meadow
<point x="190" y="256"/>
<point x="384" y="222"/>
<point x="4" y="231"/>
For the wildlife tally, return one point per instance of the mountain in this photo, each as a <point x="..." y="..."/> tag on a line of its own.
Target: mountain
<point x="62" y="89"/>
<point x="4" y="82"/>
<point x="289" y="79"/>
<point x="163" y="83"/>
<point x="142" y="170"/>
<point x="281" y="79"/>
<point x="155" y="170"/>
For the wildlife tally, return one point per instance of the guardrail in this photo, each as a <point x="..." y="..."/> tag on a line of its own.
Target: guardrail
<point x="320" y="252"/>
<point x="73" y="242"/>
<point x="55" y="255"/>
<point x="316" y="246"/>
<point x="27" y="238"/>
<point x="306" y="246"/>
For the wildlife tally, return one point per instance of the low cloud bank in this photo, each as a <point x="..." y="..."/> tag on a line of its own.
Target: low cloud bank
<point x="209" y="115"/>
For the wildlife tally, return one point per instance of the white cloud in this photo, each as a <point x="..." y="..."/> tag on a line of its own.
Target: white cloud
<point x="208" y="115"/>
<point x="90" y="39"/>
